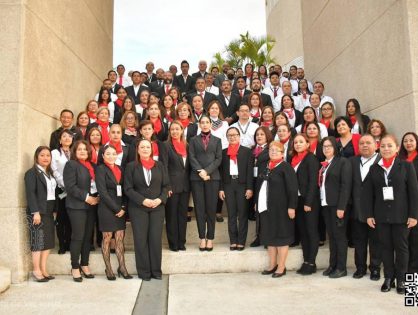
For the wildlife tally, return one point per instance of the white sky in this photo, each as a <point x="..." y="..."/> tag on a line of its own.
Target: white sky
<point x="168" y="31"/>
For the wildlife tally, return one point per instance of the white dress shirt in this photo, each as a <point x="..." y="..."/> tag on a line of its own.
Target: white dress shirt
<point x="212" y="89"/>
<point x="126" y="80"/>
<point x="58" y="161"/>
<point x="247" y="133"/>
<point x="322" y="189"/>
<point x="51" y="184"/>
<point x="365" y="164"/>
<point x="275" y="100"/>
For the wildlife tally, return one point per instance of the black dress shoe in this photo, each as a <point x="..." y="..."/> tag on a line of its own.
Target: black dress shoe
<point x="231" y="248"/>
<point x="294" y="244"/>
<point x="302" y="268"/>
<point x="182" y="247"/>
<point x="400" y="287"/>
<point x="255" y="243"/>
<point x="209" y="249"/>
<point x="308" y="270"/>
<point x="269" y="272"/>
<point x="321" y="243"/>
<point x="144" y="278"/>
<point x="43" y="279"/>
<point x="328" y="271"/>
<point x="279" y="274"/>
<point x="189" y="218"/>
<point x="338" y="274"/>
<point x="173" y="249"/>
<point x="219" y="218"/>
<point x="312" y="267"/>
<point x="387" y="285"/>
<point x="240" y="248"/>
<point x="76" y="279"/>
<point x="61" y="251"/>
<point x="375" y="275"/>
<point x="359" y="274"/>
<point x="49" y="277"/>
<point x="251" y="217"/>
<point x="156" y="277"/>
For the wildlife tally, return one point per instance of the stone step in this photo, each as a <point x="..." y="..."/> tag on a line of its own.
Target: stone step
<point x="221" y="259"/>
<point x="5" y="279"/>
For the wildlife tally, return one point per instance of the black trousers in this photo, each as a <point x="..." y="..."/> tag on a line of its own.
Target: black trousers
<point x="82" y="224"/>
<point x="413" y="250"/>
<point x="205" y="198"/>
<point x="322" y="229"/>
<point x="176" y="219"/>
<point x="237" y="206"/>
<point x="308" y="228"/>
<point x="63" y="223"/>
<point x="147" y="227"/>
<point x="395" y="255"/>
<point x="364" y="235"/>
<point x="337" y="234"/>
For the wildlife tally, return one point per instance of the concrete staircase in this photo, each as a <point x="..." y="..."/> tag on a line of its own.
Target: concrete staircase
<point x="220" y="260"/>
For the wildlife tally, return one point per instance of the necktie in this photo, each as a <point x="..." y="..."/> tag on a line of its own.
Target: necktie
<point x="275" y="92"/>
<point x="201" y="94"/>
<point x="167" y="88"/>
<point x="160" y="83"/>
<point x="241" y="92"/>
<point x="321" y="173"/>
<point x="120" y="80"/>
<point x="258" y="149"/>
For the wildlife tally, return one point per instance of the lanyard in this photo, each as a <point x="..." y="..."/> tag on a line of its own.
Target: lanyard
<point x="246" y="128"/>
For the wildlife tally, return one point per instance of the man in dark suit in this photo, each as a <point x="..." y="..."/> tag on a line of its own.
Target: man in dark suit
<point x="184" y="81"/>
<point x="66" y="119"/>
<point x="112" y="76"/>
<point x="201" y="90"/>
<point x="240" y="89"/>
<point x="222" y="76"/>
<point x="151" y="76"/>
<point x="203" y="65"/>
<point x="135" y="89"/>
<point x="256" y="88"/>
<point x="229" y="102"/>
<point x="157" y="86"/>
<point x="363" y="235"/>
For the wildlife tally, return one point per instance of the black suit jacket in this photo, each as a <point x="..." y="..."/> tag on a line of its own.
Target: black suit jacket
<point x="231" y="109"/>
<point x="178" y="172"/>
<point x="245" y="161"/>
<point x="199" y="75"/>
<point x="307" y="174"/>
<point x="36" y="191"/>
<point x="162" y="151"/>
<point x="403" y="179"/>
<point x="151" y="79"/>
<point x="338" y="183"/>
<point x="265" y="98"/>
<point x="131" y="92"/>
<point x="191" y="131"/>
<point x="209" y="159"/>
<point x="154" y="87"/>
<point x="77" y="183"/>
<point x="125" y="150"/>
<point x="54" y="141"/>
<point x="241" y="99"/>
<point x="209" y="97"/>
<point x="136" y="188"/>
<point x="184" y="87"/>
<point x="106" y="187"/>
<point x="115" y="89"/>
<point x="358" y="192"/>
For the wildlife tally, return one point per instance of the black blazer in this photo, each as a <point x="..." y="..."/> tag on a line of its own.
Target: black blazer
<point x="191" y="131"/>
<point x="241" y="99"/>
<point x="358" y="192"/>
<point x="136" y="188"/>
<point x="209" y="97"/>
<point x="178" y="172"/>
<point x="245" y="161"/>
<point x="36" y="191"/>
<point x="77" y="183"/>
<point x="162" y="151"/>
<point x="154" y="87"/>
<point x="209" y="159"/>
<point x="151" y="79"/>
<point x="199" y="75"/>
<point x="184" y="87"/>
<point x="115" y="89"/>
<point x="106" y="187"/>
<point x="307" y="174"/>
<point x="131" y="92"/>
<point x="231" y="109"/>
<point x="265" y="98"/>
<point x="54" y="141"/>
<point x="125" y="150"/>
<point x="319" y="153"/>
<point x="403" y="179"/>
<point x="338" y="183"/>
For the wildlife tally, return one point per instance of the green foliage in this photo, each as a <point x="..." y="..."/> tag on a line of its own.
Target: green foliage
<point x="246" y="49"/>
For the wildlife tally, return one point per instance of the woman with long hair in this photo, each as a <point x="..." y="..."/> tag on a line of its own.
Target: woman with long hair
<point x="327" y="117"/>
<point x="377" y="129"/>
<point x="129" y="124"/>
<point x="358" y="120"/>
<point x="160" y="127"/>
<point x="266" y="119"/>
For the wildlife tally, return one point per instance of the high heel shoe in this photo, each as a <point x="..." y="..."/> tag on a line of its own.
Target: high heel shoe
<point x="85" y="275"/>
<point x="127" y="276"/>
<point x="111" y="277"/>
<point x="269" y="272"/>
<point x="43" y="279"/>
<point x="76" y="279"/>
<point x="279" y="274"/>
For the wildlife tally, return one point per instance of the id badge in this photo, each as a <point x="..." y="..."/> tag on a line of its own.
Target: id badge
<point x="255" y="171"/>
<point x="93" y="188"/>
<point x="388" y="193"/>
<point x="119" y="190"/>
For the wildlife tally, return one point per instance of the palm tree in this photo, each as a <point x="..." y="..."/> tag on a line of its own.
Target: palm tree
<point x="233" y="54"/>
<point x="218" y="61"/>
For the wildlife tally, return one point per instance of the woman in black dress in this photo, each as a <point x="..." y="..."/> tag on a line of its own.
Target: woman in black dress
<point x="277" y="201"/>
<point x="40" y="195"/>
<point x="111" y="212"/>
<point x="146" y="185"/>
<point x="358" y="120"/>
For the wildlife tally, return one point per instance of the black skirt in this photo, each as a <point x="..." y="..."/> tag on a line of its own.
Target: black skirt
<point x="42" y="236"/>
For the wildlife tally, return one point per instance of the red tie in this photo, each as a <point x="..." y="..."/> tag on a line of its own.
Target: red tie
<point x="241" y="93"/>
<point x="167" y="88"/>
<point x="201" y="94"/>
<point x="275" y="92"/>
<point x="321" y="173"/>
<point x="120" y="80"/>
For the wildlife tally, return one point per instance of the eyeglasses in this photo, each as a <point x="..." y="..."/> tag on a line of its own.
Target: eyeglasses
<point x="326" y="109"/>
<point x="233" y="135"/>
<point x="327" y="146"/>
<point x="275" y="151"/>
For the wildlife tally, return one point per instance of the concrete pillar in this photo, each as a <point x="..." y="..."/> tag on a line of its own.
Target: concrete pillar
<point x="54" y="55"/>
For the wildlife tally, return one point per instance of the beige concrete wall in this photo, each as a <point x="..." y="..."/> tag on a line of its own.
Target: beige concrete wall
<point x="54" y="55"/>
<point x="365" y="49"/>
<point x="284" y="23"/>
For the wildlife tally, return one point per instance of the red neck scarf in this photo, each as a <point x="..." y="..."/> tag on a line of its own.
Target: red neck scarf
<point x="158" y="126"/>
<point x="289" y="112"/>
<point x="119" y="103"/>
<point x="412" y="156"/>
<point x="257" y="150"/>
<point x="116" y="171"/>
<point x="256" y="114"/>
<point x="93" y="154"/>
<point x="353" y="119"/>
<point x="273" y="163"/>
<point x="103" y="104"/>
<point x="117" y="145"/>
<point x="180" y="147"/>
<point x="267" y="123"/>
<point x="185" y="122"/>
<point x="88" y="165"/>
<point x="325" y="122"/>
<point x="131" y="131"/>
<point x="148" y="164"/>
<point x="103" y="130"/>
<point x="155" y="151"/>
<point x="285" y="140"/>
<point x="388" y="162"/>
<point x="168" y="117"/>
<point x="92" y="115"/>
<point x="313" y="146"/>
<point x="233" y="152"/>
<point x="296" y="159"/>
